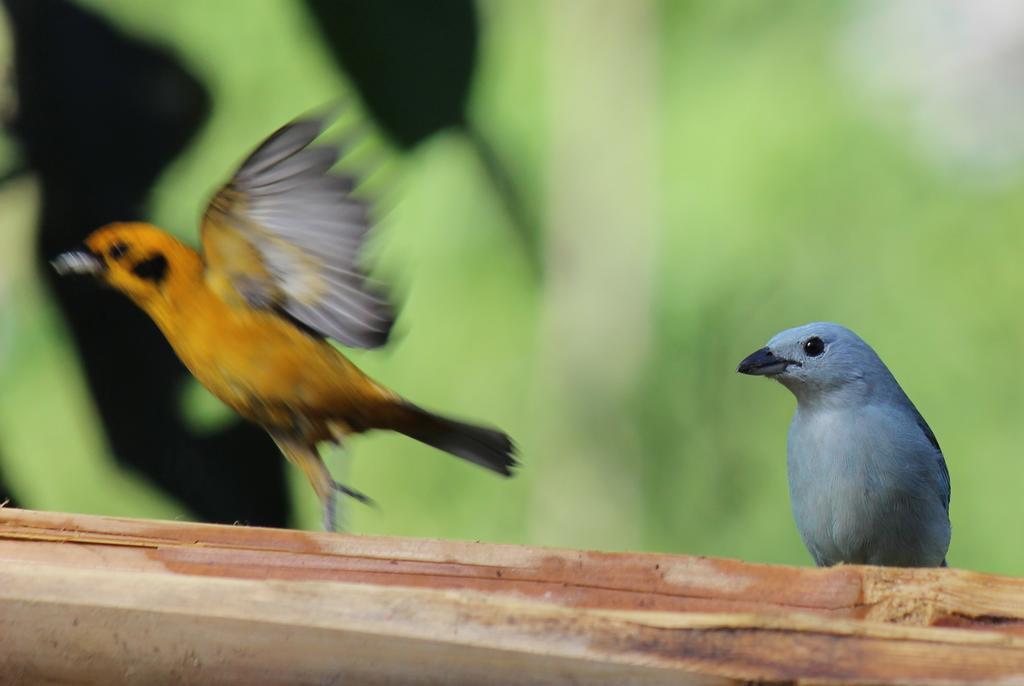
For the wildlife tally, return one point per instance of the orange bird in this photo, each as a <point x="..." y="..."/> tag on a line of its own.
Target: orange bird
<point x="251" y="315"/>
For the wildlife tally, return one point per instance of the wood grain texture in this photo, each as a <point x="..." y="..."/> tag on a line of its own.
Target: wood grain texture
<point x="102" y="600"/>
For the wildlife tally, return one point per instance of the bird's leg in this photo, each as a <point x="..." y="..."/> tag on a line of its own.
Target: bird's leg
<point x="338" y="487"/>
<point x="306" y="458"/>
<point x="329" y="501"/>
<point x="339" y="432"/>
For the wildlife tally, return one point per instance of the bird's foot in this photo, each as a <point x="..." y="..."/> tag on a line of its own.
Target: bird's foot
<point x="352" y="493"/>
<point x="330" y="503"/>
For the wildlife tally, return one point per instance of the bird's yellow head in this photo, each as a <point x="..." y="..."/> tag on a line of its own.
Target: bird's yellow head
<point x="137" y="259"/>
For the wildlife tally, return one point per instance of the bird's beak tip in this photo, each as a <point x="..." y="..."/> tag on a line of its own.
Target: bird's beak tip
<point x="77" y="262"/>
<point x="762" y="362"/>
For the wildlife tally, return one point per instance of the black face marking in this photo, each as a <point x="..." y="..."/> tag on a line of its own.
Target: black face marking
<point x="814" y="346"/>
<point x="118" y="250"/>
<point x="153" y="268"/>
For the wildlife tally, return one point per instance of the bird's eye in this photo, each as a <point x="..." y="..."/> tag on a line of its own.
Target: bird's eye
<point x="814" y="346"/>
<point x="118" y="250"/>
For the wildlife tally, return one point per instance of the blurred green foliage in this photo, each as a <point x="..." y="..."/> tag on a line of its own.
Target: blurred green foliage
<point x="782" y="195"/>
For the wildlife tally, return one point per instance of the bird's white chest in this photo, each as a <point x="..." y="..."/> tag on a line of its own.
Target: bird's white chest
<point x="835" y="481"/>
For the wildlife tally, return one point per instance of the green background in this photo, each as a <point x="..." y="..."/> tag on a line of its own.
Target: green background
<point x="703" y="174"/>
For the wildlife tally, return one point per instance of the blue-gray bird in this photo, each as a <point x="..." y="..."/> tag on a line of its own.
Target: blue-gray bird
<point x="867" y="479"/>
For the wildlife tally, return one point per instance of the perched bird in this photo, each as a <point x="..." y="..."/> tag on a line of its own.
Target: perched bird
<point x="867" y="479"/>
<point x="251" y="315"/>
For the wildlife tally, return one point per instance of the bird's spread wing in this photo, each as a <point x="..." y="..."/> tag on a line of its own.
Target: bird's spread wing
<point x="285" y="234"/>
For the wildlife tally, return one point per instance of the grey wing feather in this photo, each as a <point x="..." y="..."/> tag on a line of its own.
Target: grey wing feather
<point x="281" y="145"/>
<point x="943" y="469"/>
<point x="310" y="232"/>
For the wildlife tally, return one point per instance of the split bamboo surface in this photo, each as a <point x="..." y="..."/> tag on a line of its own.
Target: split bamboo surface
<point x="100" y="600"/>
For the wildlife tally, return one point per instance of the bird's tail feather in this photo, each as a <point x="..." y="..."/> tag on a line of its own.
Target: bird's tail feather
<point x="486" y="447"/>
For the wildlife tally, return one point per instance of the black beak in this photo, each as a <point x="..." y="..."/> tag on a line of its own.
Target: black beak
<point x="763" y="363"/>
<point x="78" y="262"/>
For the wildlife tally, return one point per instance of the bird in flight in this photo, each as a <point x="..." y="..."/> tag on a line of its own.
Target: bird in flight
<point x="250" y="316"/>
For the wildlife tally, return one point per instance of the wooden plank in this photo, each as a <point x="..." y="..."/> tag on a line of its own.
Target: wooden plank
<point x="97" y="600"/>
<point x="640" y="581"/>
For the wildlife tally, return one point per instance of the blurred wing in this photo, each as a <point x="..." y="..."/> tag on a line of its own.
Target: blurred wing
<point x="284" y="234"/>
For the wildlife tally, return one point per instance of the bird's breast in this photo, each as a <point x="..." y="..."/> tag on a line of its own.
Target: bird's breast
<point x="862" y="487"/>
<point x="262" y="366"/>
<point x="831" y="487"/>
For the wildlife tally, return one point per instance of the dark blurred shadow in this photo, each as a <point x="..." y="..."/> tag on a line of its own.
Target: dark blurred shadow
<point x="412" y="61"/>
<point x="100" y="114"/>
<point x="413" y="64"/>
